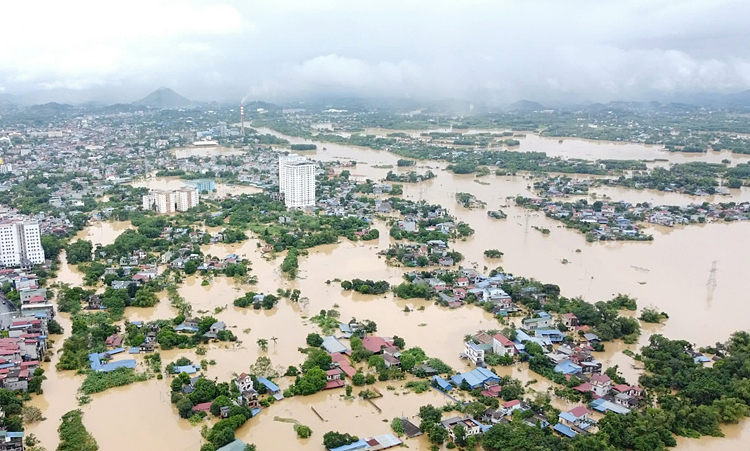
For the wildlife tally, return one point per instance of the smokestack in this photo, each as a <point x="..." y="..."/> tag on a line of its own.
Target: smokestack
<point x="242" y="120"/>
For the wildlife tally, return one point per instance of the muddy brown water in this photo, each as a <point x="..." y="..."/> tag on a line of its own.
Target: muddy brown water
<point x="672" y="273"/>
<point x="222" y="189"/>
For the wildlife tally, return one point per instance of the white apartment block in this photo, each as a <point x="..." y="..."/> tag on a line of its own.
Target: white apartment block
<point x="20" y="244"/>
<point x="186" y="198"/>
<point x="170" y="201"/>
<point x="297" y="181"/>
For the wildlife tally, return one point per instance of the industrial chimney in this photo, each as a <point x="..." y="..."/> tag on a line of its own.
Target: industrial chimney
<point x="242" y="120"/>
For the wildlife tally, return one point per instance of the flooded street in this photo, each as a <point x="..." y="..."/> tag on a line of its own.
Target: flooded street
<point x="671" y="273"/>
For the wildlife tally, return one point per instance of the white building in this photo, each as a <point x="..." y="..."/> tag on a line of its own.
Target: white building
<point x="502" y="345"/>
<point x="20" y="244"/>
<point x="297" y="181"/>
<point x="170" y="201"/>
<point x="186" y="198"/>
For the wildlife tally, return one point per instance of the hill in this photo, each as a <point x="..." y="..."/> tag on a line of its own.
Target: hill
<point x="163" y="98"/>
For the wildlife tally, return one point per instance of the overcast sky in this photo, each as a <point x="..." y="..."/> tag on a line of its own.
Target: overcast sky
<point x="425" y="49"/>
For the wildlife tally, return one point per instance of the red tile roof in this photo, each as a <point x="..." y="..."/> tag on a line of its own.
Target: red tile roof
<point x="338" y="383"/>
<point x="579" y="411"/>
<point x="205" y="407"/>
<point x="510" y="404"/>
<point x="374" y="344"/>
<point x="505" y="341"/>
<point x="347" y="368"/>
<point x="338" y="357"/>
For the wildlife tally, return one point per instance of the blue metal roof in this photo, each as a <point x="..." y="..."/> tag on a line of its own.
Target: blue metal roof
<point x="107" y="367"/>
<point x="569" y="417"/>
<point x="184" y="328"/>
<point x="442" y="383"/>
<point x="359" y="444"/>
<point x="567" y="367"/>
<point x="602" y="405"/>
<point x="236" y="445"/>
<point x="273" y="388"/>
<point x="134" y="350"/>
<point x="332" y="344"/>
<point x="565" y="430"/>
<point x="189" y="369"/>
<point x="475" y="377"/>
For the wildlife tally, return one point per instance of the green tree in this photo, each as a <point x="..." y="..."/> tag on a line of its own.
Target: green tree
<point x="302" y="431"/>
<point x="78" y="252"/>
<point x="314" y="340"/>
<point x="459" y="431"/>
<point x="358" y="379"/>
<point x="334" y="439"/>
<point x="191" y="266"/>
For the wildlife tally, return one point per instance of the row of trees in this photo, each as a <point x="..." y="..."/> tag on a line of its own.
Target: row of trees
<point x="366" y="286"/>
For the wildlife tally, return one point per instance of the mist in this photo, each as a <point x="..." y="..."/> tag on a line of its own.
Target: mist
<point x="495" y="51"/>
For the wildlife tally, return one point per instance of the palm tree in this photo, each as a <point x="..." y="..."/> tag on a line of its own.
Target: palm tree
<point x="263" y="344"/>
<point x="274" y="340"/>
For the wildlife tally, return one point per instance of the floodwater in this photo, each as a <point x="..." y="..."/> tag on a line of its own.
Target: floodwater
<point x="103" y="232"/>
<point x="222" y="189"/>
<point x="694" y="273"/>
<point x="205" y="151"/>
<point x="590" y="149"/>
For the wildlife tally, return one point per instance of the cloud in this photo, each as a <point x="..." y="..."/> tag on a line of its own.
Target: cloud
<point x="338" y="75"/>
<point x="499" y="50"/>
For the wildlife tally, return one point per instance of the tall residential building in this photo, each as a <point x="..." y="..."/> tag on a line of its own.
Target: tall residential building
<point x="170" y="201"/>
<point x="297" y="181"/>
<point x="186" y="198"/>
<point x="20" y="244"/>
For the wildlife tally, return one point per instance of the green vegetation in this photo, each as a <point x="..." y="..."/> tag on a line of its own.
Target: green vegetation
<point x="73" y="434"/>
<point x="268" y="302"/>
<point x="99" y="381"/>
<point x="290" y="264"/>
<point x="408" y="290"/>
<point x="493" y="253"/>
<point x="314" y="340"/>
<point x="409" y="177"/>
<point x="366" y="286"/>
<point x="302" y="431"/>
<point x="304" y="147"/>
<point x="333" y="439"/>
<point x="649" y="315"/>
<point x="78" y="252"/>
<point x="89" y="333"/>
<point x="418" y="386"/>
<point x="468" y="200"/>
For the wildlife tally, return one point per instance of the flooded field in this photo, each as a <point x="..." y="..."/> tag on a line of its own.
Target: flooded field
<point x="204" y="151"/>
<point x="588" y="149"/>
<point x="670" y="273"/>
<point x="222" y="189"/>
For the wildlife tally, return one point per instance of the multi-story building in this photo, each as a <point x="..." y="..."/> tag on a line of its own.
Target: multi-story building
<point x="297" y="181"/>
<point x="202" y="185"/>
<point x="186" y="198"/>
<point x="20" y="244"/>
<point x="160" y="201"/>
<point x="169" y="201"/>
